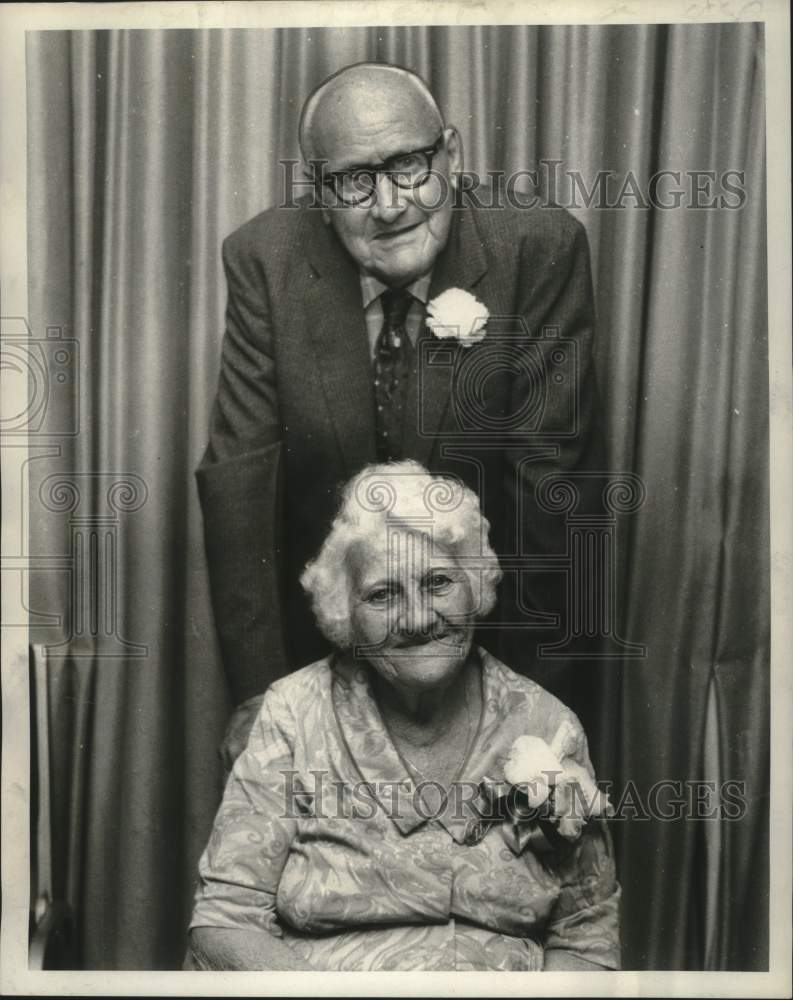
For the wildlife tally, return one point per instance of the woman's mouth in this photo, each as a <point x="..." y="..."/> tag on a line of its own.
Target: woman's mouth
<point x="449" y="638"/>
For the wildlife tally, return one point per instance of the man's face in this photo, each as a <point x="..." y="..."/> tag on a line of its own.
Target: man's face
<point x="398" y="235"/>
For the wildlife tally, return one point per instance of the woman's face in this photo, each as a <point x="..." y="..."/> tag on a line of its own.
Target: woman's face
<point x="411" y="609"/>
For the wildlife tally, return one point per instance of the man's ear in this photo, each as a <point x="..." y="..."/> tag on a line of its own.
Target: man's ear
<point x="454" y="151"/>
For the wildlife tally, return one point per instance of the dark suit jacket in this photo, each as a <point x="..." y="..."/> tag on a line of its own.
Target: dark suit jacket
<point x="294" y="414"/>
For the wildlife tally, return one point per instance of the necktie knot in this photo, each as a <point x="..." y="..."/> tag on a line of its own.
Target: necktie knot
<point x="396" y="303"/>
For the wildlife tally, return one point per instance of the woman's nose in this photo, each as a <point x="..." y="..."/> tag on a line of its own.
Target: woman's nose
<point x="417" y="616"/>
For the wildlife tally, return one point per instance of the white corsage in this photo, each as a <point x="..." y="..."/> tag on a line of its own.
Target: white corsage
<point x="457" y="313"/>
<point x="548" y="778"/>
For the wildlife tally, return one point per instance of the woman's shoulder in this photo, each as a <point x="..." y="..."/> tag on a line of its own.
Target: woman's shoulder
<point x="525" y="703"/>
<point x="510" y="680"/>
<point x="308" y="682"/>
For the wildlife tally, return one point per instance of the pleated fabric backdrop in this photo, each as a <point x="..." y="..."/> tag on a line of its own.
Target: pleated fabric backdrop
<point x="145" y="150"/>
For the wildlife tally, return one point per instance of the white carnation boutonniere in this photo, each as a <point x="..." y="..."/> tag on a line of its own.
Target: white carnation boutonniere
<point x="457" y="313"/>
<point x="555" y="788"/>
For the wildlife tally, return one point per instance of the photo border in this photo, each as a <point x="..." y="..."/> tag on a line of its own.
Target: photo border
<point x="15" y="977"/>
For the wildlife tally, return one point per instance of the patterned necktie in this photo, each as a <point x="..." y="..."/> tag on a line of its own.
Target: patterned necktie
<point x="391" y="366"/>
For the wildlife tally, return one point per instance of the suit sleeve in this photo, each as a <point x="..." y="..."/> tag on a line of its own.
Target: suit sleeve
<point x="239" y="482"/>
<point x="558" y="308"/>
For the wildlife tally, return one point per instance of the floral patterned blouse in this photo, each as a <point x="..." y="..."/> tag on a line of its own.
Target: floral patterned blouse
<point x="325" y="839"/>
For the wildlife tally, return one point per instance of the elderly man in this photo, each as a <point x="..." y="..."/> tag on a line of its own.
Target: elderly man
<point x="328" y="364"/>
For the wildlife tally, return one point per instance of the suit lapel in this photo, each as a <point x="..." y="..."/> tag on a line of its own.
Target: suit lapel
<point x="461" y="265"/>
<point x="341" y="350"/>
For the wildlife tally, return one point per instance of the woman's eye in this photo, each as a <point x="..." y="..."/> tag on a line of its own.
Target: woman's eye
<point x="438" y="582"/>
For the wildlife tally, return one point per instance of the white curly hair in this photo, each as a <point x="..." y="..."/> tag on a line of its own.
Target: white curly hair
<point x="403" y="495"/>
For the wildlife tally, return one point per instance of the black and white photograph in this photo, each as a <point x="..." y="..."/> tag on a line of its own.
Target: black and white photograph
<point x="396" y="544"/>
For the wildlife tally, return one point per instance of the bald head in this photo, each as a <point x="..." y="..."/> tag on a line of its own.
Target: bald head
<point x="369" y="95"/>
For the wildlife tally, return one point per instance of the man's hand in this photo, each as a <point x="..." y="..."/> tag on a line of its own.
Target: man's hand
<point x="236" y="737"/>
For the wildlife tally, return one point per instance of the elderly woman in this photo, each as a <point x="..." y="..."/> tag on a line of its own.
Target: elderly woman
<point x="408" y="802"/>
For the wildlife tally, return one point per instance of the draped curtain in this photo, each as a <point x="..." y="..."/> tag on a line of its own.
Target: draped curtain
<point x="146" y="148"/>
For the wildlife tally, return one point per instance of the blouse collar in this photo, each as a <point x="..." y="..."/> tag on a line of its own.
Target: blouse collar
<point x="374" y="755"/>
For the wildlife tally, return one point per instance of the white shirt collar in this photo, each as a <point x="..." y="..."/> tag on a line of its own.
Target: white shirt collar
<point x="372" y="288"/>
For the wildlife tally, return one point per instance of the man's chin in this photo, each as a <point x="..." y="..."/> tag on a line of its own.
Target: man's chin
<point x="398" y="277"/>
<point x="402" y="268"/>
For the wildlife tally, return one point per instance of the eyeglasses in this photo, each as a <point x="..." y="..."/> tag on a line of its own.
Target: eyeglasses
<point x="357" y="185"/>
